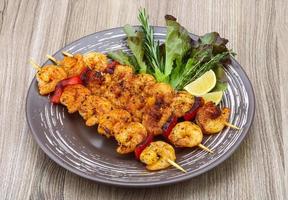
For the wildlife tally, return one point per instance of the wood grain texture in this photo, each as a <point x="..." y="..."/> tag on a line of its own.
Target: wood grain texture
<point x="257" y="31"/>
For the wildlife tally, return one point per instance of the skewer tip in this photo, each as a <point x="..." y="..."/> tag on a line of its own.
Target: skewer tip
<point x="52" y="58"/>
<point x="232" y="126"/>
<point x="205" y="148"/>
<point x="176" y="165"/>
<point x="34" y="64"/>
<point x="65" y="53"/>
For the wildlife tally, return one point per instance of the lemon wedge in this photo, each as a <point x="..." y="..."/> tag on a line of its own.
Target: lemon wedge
<point x="215" y="97"/>
<point x="202" y="85"/>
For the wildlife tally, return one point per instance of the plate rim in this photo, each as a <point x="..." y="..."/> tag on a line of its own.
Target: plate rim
<point x="225" y="156"/>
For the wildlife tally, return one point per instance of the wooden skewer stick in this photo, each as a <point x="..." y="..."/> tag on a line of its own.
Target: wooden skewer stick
<point x="52" y="59"/>
<point x="176" y="165"/>
<point x="65" y="53"/>
<point x="34" y="64"/>
<point x="232" y="126"/>
<point x="205" y="148"/>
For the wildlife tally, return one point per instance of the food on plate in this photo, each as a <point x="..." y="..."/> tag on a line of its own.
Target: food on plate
<point x="72" y="65"/>
<point x="186" y="134"/>
<point x="157" y="154"/>
<point x="212" y="119"/>
<point x="112" y="122"/>
<point x="48" y="77"/>
<point x="136" y="98"/>
<point x="130" y="136"/>
<point x="182" y="103"/>
<point x="93" y="107"/>
<point x="215" y="97"/>
<point x="203" y="84"/>
<point x="73" y="96"/>
<point x="96" y="61"/>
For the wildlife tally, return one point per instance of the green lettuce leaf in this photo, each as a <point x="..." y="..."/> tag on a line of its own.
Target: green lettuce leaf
<point x="214" y="39"/>
<point x="222" y="80"/>
<point x="121" y="57"/>
<point x="220" y="86"/>
<point x="177" y="44"/>
<point x="135" y="43"/>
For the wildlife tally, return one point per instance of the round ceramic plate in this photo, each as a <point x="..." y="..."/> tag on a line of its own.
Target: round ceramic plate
<point x="78" y="148"/>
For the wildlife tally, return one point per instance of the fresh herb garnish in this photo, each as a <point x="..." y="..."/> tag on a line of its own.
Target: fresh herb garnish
<point x="180" y="60"/>
<point x="151" y="47"/>
<point x="135" y="43"/>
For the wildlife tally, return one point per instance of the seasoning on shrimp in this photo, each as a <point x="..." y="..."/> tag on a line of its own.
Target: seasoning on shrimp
<point x="130" y="136"/>
<point x="73" y="96"/>
<point x="108" y="121"/>
<point x="157" y="154"/>
<point x="212" y="119"/>
<point x="48" y="77"/>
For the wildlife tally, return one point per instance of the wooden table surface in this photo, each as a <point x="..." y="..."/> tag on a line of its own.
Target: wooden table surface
<point x="258" y="32"/>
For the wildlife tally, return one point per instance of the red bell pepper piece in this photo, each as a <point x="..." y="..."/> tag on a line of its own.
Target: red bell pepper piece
<point x="57" y="94"/>
<point x="110" y="67"/>
<point x="71" y="81"/>
<point x="113" y="64"/>
<point x="169" y="125"/>
<point x="190" y="115"/>
<point x="61" y="85"/>
<point x="85" y="75"/>
<point x="140" y="147"/>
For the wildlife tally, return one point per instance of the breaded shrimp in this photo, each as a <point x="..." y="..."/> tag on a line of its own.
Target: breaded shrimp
<point x="130" y="136"/>
<point x="123" y="72"/>
<point x="211" y="119"/>
<point x="155" y="119"/>
<point x="140" y="81"/>
<point x="108" y="121"/>
<point x="186" y="134"/>
<point x="135" y="104"/>
<point x="182" y="103"/>
<point x="96" y="81"/>
<point x="156" y="114"/>
<point x="161" y="90"/>
<point x="73" y="65"/>
<point x="73" y="96"/>
<point x="155" y="156"/>
<point x="93" y="107"/>
<point x="96" y="61"/>
<point x="48" y="77"/>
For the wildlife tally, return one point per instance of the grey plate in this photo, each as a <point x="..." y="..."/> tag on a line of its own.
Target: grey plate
<point x="79" y="149"/>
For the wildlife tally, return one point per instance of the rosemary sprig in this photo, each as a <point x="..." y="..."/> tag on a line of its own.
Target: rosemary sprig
<point x="151" y="47"/>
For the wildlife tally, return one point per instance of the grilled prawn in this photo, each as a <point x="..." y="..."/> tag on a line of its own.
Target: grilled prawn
<point x="107" y="122"/>
<point x="73" y="96"/>
<point x="93" y="107"/>
<point x="48" y="77"/>
<point x="186" y="134"/>
<point x="182" y="103"/>
<point x="96" y="61"/>
<point x="211" y="119"/>
<point x="156" y="156"/>
<point x="130" y="136"/>
<point x="73" y="65"/>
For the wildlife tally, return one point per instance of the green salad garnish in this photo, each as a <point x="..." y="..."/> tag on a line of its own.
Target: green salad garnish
<point x="180" y="59"/>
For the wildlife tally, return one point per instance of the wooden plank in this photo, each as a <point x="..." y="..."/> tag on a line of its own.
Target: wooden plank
<point x="257" y="31"/>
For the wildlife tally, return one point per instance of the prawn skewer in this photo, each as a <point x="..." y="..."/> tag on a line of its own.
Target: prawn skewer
<point x="212" y="120"/>
<point x="69" y="77"/>
<point x="187" y="134"/>
<point x="158" y="155"/>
